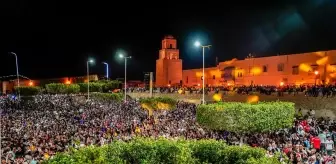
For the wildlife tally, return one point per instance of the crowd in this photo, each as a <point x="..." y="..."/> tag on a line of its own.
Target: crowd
<point x="308" y="90"/>
<point x="35" y="130"/>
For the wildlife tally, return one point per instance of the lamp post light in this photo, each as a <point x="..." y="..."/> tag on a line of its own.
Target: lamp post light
<point x="198" y="44"/>
<point x="107" y="70"/>
<point x="316" y="74"/>
<point x="17" y="73"/>
<point x="88" y="77"/>
<point x="125" y="87"/>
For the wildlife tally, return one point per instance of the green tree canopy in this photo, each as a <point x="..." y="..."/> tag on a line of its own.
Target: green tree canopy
<point x="27" y="90"/>
<point x="146" y="150"/>
<point x="57" y="88"/>
<point x="247" y="118"/>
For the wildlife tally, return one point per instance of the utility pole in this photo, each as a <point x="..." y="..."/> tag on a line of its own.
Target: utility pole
<point x="151" y="84"/>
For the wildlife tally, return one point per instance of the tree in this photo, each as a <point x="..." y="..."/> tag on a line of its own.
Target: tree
<point x="28" y="90"/>
<point x="244" y="118"/>
<point x="57" y="88"/>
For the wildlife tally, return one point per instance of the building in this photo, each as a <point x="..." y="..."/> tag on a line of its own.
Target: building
<point x="7" y="84"/>
<point x="292" y="69"/>
<point x="169" y="64"/>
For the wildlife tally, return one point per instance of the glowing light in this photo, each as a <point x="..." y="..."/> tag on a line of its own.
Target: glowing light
<point x="198" y="84"/>
<point x="256" y="70"/>
<point x="282" y="83"/>
<point x="316" y="72"/>
<point x="331" y="68"/>
<point x="180" y="91"/>
<point x="121" y="55"/>
<point x="68" y="82"/>
<point x="229" y="84"/>
<point x="333" y="75"/>
<point x="148" y="108"/>
<point x="168" y="85"/>
<point x="253" y="99"/>
<point x="323" y="61"/>
<point x="31" y="83"/>
<point x="199" y="74"/>
<point x="91" y="61"/>
<point x="217" y="97"/>
<point x="197" y="44"/>
<point x="305" y="67"/>
<point x="163" y="106"/>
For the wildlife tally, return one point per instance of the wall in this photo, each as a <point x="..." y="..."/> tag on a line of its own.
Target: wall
<point x="168" y="70"/>
<point x="168" y="66"/>
<point x="193" y="77"/>
<point x="251" y="71"/>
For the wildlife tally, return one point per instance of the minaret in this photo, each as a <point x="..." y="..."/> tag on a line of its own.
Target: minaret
<point x="169" y="64"/>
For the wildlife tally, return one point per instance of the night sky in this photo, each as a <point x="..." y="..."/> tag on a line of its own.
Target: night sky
<point x="55" y="40"/>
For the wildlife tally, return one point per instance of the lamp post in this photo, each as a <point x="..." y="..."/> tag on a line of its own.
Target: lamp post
<point x="316" y="74"/>
<point x="125" y="57"/>
<point x="107" y="70"/>
<point x="88" y="77"/>
<point x="17" y="73"/>
<point x="198" y="44"/>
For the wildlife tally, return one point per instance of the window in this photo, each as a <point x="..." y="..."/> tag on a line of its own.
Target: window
<point x="201" y="77"/>
<point x="169" y="82"/>
<point x="281" y="67"/>
<point x="240" y="74"/>
<point x="314" y="67"/>
<point x="214" y="77"/>
<point x="264" y="68"/>
<point x="295" y="70"/>
<point x="170" y="46"/>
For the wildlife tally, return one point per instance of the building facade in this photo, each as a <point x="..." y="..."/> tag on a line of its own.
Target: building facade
<point x="169" y="64"/>
<point x="7" y="85"/>
<point x="292" y="69"/>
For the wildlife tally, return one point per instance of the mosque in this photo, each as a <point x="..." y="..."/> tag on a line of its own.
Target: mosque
<point x="291" y="69"/>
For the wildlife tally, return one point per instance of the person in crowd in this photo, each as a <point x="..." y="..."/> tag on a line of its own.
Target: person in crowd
<point x="34" y="130"/>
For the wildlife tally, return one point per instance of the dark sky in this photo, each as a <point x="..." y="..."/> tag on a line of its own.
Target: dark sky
<point x="55" y="39"/>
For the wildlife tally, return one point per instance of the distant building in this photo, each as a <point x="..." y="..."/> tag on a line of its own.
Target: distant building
<point x="8" y="84"/>
<point x="169" y="64"/>
<point x="292" y="69"/>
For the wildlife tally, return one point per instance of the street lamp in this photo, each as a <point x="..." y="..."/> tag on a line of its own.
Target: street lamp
<point x="316" y="73"/>
<point x="107" y="70"/>
<point x="17" y="73"/>
<point x="125" y="57"/>
<point x="88" y="77"/>
<point x="198" y="44"/>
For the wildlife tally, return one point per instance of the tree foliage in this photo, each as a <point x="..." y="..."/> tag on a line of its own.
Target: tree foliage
<point x="57" y="88"/>
<point x="158" y="103"/>
<point x="27" y="90"/>
<point x="110" y="85"/>
<point x="100" y="86"/>
<point x="246" y="118"/>
<point x="146" y="150"/>
<point x="94" y="87"/>
<point x="107" y="96"/>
